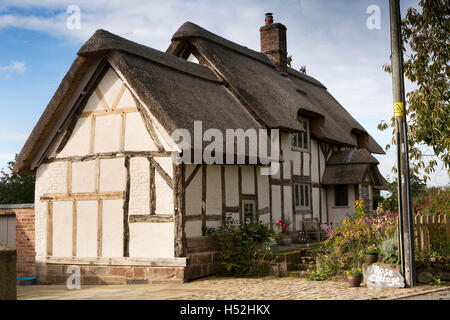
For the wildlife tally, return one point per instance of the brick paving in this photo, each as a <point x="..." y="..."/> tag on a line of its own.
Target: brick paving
<point x="227" y="289"/>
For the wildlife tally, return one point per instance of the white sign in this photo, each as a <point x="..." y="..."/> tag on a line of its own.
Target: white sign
<point x="383" y="277"/>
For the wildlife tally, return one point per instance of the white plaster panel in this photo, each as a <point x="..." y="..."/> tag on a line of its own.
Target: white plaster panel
<point x="213" y="224"/>
<point x="93" y="104"/>
<point x="62" y="228"/>
<point x="194" y="193"/>
<point x="110" y="86"/>
<point x="137" y="137"/>
<point x="151" y="240"/>
<point x="112" y="175"/>
<point x="139" y="186"/>
<point x="107" y="133"/>
<point x="213" y="190"/>
<point x="276" y="203"/>
<point x="286" y="169"/>
<point x="248" y="180"/>
<point x="337" y="214"/>
<point x="314" y="161"/>
<point x="306" y="169"/>
<point x="87" y="217"/>
<point x="166" y="164"/>
<point x="112" y="228"/>
<point x="287" y="194"/>
<point x="83" y="176"/>
<point x="164" y="196"/>
<point x="78" y="143"/>
<point x="193" y="229"/>
<point x="231" y="186"/>
<point x="127" y="100"/>
<point x="316" y="202"/>
<point x="263" y="190"/>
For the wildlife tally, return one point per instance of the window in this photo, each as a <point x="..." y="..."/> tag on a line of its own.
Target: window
<point x="341" y="195"/>
<point x="300" y="140"/>
<point x="248" y="209"/>
<point x="302" y="196"/>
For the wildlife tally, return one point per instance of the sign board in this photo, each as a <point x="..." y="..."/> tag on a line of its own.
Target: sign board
<point x="382" y="277"/>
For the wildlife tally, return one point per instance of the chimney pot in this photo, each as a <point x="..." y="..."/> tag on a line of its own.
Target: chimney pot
<point x="269" y="18"/>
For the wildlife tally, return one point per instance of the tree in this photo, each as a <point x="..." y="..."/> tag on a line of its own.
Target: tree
<point x="16" y="188"/>
<point x="426" y="35"/>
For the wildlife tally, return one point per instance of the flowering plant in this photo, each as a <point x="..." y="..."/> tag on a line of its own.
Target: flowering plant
<point x="372" y="248"/>
<point x="282" y="228"/>
<point x="354" y="272"/>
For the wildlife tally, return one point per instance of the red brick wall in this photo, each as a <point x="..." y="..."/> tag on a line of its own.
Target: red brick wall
<point x="24" y="239"/>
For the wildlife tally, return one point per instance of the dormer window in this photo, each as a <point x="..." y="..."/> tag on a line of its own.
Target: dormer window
<point x="300" y="141"/>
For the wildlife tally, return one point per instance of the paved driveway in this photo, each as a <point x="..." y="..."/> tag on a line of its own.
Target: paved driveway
<point x="227" y="289"/>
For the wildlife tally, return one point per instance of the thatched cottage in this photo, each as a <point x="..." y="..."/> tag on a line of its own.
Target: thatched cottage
<point x="111" y="199"/>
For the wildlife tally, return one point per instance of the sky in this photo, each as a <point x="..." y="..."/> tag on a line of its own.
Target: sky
<point x="39" y="41"/>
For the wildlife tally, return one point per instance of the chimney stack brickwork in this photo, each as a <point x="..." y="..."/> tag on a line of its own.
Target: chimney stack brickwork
<point x="273" y="43"/>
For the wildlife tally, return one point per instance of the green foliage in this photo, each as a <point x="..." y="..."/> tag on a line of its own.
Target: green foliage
<point x="241" y="246"/>
<point x="389" y="251"/>
<point x="327" y="268"/>
<point x="434" y="201"/>
<point x="426" y="35"/>
<point x="437" y="282"/>
<point x="16" y="188"/>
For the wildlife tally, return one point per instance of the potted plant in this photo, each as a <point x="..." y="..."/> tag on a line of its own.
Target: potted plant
<point x="282" y="233"/>
<point x="354" y="277"/>
<point x="372" y="253"/>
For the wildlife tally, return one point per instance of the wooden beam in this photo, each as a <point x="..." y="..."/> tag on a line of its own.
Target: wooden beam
<point x="192" y="175"/>
<point x="209" y="217"/>
<point x="126" y="205"/>
<point x="204" y="199"/>
<point x="179" y="209"/>
<point x="264" y="211"/>
<point x="99" y="228"/>
<point x="152" y="187"/>
<point x="241" y="218"/>
<point x="149" y="125"/>
<point x="111" y="155"/>
<point x="281" y="182"/>
<point x="83" y="196"/>
<point x="232" y="209"/>
<point x="50" y="228"/>
<point x="99" y="113"/>
<point x="101" y="98"/>
<point x="222" y="186"/>
<point x="118" y="97"/>
<point x="162" y="173"/>
<point x="151" y="218"/>
<point x="123" y="121"/>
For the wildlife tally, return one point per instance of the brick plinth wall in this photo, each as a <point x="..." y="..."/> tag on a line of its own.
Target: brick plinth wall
<point x="114" y="275"/>
<point x="202" y="253"/>
<point x="25" y="237"/>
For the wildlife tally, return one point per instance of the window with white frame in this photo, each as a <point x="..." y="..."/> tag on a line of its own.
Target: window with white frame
<point x="302" y="195"/>
<point x="300" y="140"/>
<point x="248" y="208"/>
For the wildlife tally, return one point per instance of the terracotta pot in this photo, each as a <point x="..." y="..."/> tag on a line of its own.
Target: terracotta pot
<point x="371" y="257"/>
<point x="354" y="281"/>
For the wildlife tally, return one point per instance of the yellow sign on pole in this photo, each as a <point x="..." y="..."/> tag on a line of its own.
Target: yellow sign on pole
<point x="398" y="109"/>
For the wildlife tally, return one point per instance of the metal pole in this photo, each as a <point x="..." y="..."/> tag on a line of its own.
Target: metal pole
<point x="404" y="194"/>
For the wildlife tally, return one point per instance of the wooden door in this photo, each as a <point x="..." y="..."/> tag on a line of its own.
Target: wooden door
<point x="8" y="231"/>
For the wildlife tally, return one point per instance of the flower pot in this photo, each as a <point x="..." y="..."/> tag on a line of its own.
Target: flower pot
<point x="371" y="257"/>
<point x="354" y="281"/>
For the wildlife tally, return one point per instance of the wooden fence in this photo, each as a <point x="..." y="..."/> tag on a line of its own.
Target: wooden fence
<point x="432" y="232"/>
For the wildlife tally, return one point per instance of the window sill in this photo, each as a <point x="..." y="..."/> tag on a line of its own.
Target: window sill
<point x="295" y="149"/>
<point x="341" y="207"/>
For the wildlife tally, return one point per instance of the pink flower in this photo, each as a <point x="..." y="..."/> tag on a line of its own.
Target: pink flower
<point x="278" y="222"/>
<point x="239" y="226"/>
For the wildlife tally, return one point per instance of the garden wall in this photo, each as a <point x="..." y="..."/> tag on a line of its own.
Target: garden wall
<point x="438" y="267"/>
<point x="25" y="237"/>
<point x="7" y="274"/>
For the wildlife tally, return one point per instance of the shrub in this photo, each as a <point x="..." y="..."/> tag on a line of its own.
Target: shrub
<point x="434" y="201"/>
<point x="240" y="245"/>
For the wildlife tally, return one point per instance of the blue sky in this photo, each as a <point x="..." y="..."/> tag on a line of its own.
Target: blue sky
<point x="330" y="37"/>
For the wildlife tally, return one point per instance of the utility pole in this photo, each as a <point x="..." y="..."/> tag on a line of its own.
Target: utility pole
<point x="406" y="227"/>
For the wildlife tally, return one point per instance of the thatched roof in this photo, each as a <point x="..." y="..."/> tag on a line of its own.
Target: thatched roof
<point x="353" y="167"/>
<point x="179" y="92"/>
<point x="277" y="100"/>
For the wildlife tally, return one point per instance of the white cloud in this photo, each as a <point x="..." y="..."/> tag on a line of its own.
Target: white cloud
<point x="15" y="66"/>
<point x="6" y="135"/>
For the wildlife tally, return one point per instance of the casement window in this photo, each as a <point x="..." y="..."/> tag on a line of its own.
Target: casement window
<point x="341" y="195"/>
<point x="302" y="194"/>
<point x="248" y="208"/>
<point x="300" y="140"/>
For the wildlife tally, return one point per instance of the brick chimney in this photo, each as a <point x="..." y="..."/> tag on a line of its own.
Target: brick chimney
<point x="273" y="43"/>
